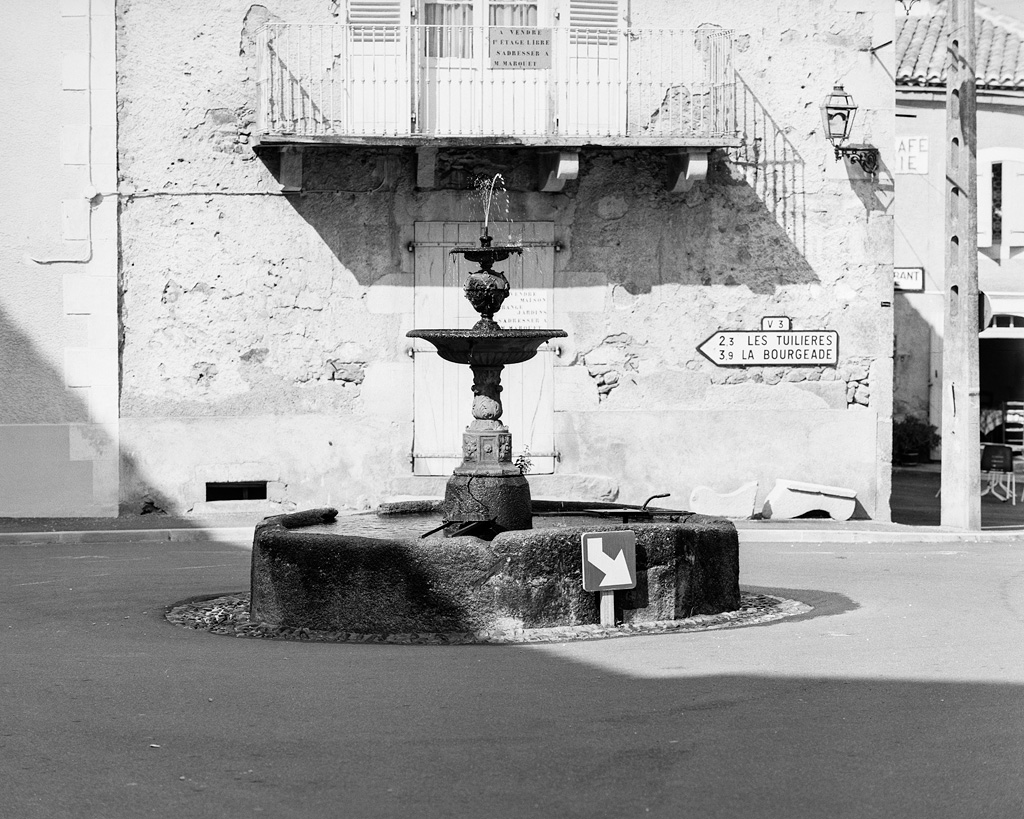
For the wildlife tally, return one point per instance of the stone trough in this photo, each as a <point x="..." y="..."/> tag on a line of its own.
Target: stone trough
<point x="521" y="579"/>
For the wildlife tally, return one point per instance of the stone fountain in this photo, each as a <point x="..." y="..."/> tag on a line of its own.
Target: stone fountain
<point x="312" y="570"/>
<point x="487" y="487"/>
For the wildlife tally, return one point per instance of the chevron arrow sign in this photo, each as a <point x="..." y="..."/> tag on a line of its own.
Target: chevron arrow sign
<point x="609" y="561"/>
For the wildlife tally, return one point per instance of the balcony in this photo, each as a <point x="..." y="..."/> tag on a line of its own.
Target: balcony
<point x="478" y="85"/>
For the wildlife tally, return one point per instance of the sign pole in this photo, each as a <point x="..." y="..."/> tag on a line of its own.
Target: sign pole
<point x="961" y="466"/>
<point x="607" y="608"/>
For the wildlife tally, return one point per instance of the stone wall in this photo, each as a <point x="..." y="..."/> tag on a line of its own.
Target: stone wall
<point x="263" y="334"/>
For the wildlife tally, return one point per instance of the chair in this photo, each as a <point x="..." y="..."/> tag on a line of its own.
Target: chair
<point x="997" y="469"/>
<point x="1013" y="425"/>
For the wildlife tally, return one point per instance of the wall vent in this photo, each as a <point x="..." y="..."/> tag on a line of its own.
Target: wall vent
<point x="236" y="490"/>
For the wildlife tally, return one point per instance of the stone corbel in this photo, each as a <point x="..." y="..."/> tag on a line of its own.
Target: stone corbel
<point x="555" y="167"/>
<point x="685" y="168"/>
<point x="290" y="176"/>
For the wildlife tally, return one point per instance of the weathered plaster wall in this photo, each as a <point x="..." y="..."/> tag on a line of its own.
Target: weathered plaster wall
<point x="264" y="335"/>
<point x="58" y="262"/>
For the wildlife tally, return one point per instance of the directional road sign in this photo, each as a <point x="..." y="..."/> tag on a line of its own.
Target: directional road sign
<point x="609" y="561"/>
<point x="759" y="348"/>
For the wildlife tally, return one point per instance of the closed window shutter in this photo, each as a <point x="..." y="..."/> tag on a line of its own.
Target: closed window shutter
<point x="603" y="14"/>
<point x="594" y="21"/>
<point x="375" y="20"/>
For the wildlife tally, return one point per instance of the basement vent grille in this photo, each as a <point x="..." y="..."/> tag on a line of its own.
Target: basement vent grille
<point x="237" y="490"/>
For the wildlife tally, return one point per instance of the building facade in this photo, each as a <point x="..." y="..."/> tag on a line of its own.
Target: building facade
<point x="292" y="177"/>
<point x="920" y="213"/>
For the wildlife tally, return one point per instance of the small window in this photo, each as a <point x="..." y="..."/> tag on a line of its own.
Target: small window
<point x="236" y="490"/>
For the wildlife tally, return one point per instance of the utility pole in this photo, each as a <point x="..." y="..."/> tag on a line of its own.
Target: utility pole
<point x="961" y="473"/>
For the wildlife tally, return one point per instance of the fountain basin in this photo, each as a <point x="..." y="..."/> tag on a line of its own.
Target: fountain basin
<point x="487" y="347"/>
<point x="521" y="579"/>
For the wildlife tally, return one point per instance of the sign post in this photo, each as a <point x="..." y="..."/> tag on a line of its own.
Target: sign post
<point x="609" y="563"/>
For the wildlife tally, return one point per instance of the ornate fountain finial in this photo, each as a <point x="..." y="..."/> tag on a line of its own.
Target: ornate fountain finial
<point x="487" y="289"/>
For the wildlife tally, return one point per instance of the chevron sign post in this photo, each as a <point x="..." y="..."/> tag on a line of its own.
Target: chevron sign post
<point x="609" y="563"/>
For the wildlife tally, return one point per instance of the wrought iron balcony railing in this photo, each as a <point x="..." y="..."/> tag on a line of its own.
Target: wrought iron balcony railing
<point x="535" y="85"/>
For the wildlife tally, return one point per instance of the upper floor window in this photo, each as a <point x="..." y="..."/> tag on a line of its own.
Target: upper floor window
<point x="1001" y="199"/>
<point x="449" y="33"/>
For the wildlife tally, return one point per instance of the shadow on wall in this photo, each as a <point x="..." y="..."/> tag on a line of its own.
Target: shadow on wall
<point x="53" y="455"/>
<point x="771" y="166"/>
<point x="744" y="226"/>
<point x="912" y="361"/>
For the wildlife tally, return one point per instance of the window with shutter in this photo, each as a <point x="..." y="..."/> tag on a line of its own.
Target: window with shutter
<point x="1000" y="198"/>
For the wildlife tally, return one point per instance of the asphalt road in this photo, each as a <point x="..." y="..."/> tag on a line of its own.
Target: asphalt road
<point x="901" y="695"/>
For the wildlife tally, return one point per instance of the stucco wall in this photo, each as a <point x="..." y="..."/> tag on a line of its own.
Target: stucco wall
<point x="58" y="262"/>
<point x="239" y="304"/>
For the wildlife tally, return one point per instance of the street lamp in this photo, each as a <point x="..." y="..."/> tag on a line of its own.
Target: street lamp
<point x="837" y="114"/>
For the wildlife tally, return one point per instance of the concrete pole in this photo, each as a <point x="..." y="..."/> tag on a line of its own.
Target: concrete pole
<point x="961" y="478"/>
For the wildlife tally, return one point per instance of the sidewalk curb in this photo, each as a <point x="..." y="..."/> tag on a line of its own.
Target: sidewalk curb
<point x="748" y="536"/>
<point x="241" y="534"/>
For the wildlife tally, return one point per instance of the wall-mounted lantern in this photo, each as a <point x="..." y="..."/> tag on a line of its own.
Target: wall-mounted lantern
<point x="837" y="115"/>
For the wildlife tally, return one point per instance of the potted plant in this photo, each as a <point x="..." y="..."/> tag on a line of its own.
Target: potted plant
<point x="912" y="440"/>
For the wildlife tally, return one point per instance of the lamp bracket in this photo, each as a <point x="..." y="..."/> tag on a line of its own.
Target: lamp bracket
<point x="864" y="155"/>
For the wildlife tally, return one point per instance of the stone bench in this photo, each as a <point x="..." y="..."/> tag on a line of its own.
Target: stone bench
<point x="790" y="499"/>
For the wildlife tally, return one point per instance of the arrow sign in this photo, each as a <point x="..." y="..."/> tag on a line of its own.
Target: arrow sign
<point x="609" y="560"/>
<point x="773" y="348"/>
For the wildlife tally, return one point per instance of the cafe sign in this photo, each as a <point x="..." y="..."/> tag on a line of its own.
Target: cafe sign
<point x="520" y="47"/>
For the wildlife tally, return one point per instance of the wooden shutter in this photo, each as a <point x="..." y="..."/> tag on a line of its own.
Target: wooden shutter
<point x="376" y="12"/>
<point x="604" y="14"/>
<point x="985" y="204"/>
<point x="1013" y="204"/>
<point x="377" y="20"/>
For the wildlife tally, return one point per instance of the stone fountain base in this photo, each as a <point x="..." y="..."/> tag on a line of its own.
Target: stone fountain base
<point x="505" y="499"/>
<point x="521" y="579"/>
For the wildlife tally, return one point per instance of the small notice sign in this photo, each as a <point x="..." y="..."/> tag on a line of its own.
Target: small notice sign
<point x="760" y="348"/>
<point x="609" y="560"/>
<point x="908" y="278"/>
<point x="520" y="47"/>
<point x="526" y="308"/>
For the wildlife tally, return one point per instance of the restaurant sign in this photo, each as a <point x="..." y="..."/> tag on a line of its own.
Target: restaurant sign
<point x="520" y="47"/>
<point x="908" y="278"/>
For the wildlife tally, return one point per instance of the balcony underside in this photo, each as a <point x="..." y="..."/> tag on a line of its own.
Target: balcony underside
<point x="551" y="142"/>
